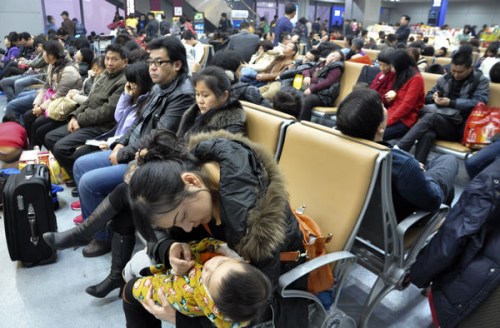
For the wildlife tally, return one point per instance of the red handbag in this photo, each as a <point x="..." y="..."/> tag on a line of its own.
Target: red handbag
<point x="483" y="123"/>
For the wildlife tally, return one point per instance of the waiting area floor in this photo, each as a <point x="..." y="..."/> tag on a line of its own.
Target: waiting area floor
<point x="53" y="295"/>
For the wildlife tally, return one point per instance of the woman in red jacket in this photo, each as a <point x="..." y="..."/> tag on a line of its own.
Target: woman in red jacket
<point x="383" y="81"/>
<point x="406" y="97"/>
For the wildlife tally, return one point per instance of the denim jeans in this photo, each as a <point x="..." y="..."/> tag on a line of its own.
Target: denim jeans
<point x="248" y="74"/>
<point x="96" y="178"/>
<point x="22" y="103"/>
<point x="12" y="86"/>
<point x="7" y="85"/>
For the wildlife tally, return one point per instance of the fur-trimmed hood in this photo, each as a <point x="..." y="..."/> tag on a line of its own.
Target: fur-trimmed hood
<point x="254" y="201"/>
<point x="229" y="117"/>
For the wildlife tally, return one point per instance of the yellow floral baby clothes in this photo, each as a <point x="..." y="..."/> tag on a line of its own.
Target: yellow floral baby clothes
<point x="185" y="293"/>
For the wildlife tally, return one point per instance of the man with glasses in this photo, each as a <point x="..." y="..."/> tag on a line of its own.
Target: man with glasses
<point x="97" y="174"/>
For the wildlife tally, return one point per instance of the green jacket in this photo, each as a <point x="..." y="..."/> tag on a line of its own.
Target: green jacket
<point x="99" y="108"/>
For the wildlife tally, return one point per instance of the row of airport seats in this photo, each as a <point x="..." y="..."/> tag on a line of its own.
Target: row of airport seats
<point x="349" y="79"/>
<point x="373" y="54"/>
<point x="345" y="185"/>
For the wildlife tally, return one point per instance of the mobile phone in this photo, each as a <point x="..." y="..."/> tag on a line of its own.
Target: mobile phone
<point x="440" y="94"/>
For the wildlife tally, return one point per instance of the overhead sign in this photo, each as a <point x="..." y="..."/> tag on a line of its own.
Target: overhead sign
<point x="130" y="6"/>
<point x="239" y="14"/>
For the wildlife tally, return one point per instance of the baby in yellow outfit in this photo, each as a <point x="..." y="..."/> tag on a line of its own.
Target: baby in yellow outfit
<point x="200" y="292"/>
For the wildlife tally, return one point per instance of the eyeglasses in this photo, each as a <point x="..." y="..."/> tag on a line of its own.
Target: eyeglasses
<point x="158" y="62"/>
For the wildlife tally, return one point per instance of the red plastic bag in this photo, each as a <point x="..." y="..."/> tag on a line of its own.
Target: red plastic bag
<point x="483" y="123"/>
<point x="117" y="24"/>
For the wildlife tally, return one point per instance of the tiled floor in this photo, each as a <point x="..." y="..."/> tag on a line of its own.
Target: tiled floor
<point x="53" y="296"/>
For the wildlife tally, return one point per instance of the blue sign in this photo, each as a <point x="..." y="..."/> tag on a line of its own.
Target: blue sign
<point x="337" y="17"/>
<point x="437" y="13"/>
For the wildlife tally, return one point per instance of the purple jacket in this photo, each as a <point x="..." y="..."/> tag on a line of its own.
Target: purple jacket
<point x="126" y="112"/>
<point x="11" y="54"/>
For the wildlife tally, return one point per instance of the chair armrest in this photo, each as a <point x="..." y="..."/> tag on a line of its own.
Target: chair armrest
<point x="411" y="220"/>
<point x="287" y="278"/>
<point x="423" y="234"/>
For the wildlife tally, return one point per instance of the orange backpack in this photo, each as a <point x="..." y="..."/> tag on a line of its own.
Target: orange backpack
<point x="314" y="242"/>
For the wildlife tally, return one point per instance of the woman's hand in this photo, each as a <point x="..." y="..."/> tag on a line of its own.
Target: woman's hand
<point x="390" y="95"/>
<point x="37" y="111"/>
<point x="113" y="156"/>
<point x="164" y="312"/>
<point x="307" y="92"/>
<point x="180" y="257"/>
<point x="306" y="82"/>
<point x="129" y="88"/>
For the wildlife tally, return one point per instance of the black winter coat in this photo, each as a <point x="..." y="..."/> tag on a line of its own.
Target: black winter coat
<point x="463" y="260"/>
<point x="231" y="117"/>
<point x="163" y="110"/>
<point x="256" y="217"/>
<point x="247" y="92"/>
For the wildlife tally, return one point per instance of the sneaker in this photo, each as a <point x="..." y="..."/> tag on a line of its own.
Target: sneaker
<point x="76" y="206"/>
<point x="78" y="219"/>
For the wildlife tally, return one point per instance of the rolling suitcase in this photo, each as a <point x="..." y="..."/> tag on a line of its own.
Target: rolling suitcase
<point x="28" y="213"/>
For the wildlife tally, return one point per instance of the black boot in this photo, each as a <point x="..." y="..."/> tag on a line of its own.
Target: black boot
<point x="83" y="233"/>
<point x="97" y="248"/>
<point x="122" y="247"/>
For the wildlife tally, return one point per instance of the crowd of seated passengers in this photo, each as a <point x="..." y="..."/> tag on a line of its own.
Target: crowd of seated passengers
<point x="435" y="183"/>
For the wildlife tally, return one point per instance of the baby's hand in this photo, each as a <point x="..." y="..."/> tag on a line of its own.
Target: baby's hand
<point x="226" y="251"/>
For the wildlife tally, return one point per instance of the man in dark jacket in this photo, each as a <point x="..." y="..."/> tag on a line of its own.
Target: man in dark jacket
<point x="244" y="43"/>
<point x="95" y="116"/>
<point x="461" y="262"/>
<point x="225" y="25"/>
<point x="68" y="25"/>
<point x="403" y="31"/>
<point x="283" y="24"/>
<point x="153" y="26"/>
<point x="456" y="93"/>
<point x="362" y="115"/>
<point x="97" y="174"/>
<point x="164" y="26"/>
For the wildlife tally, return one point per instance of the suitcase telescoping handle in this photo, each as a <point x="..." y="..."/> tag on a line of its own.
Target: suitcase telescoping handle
<point x="32" y="221"/>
